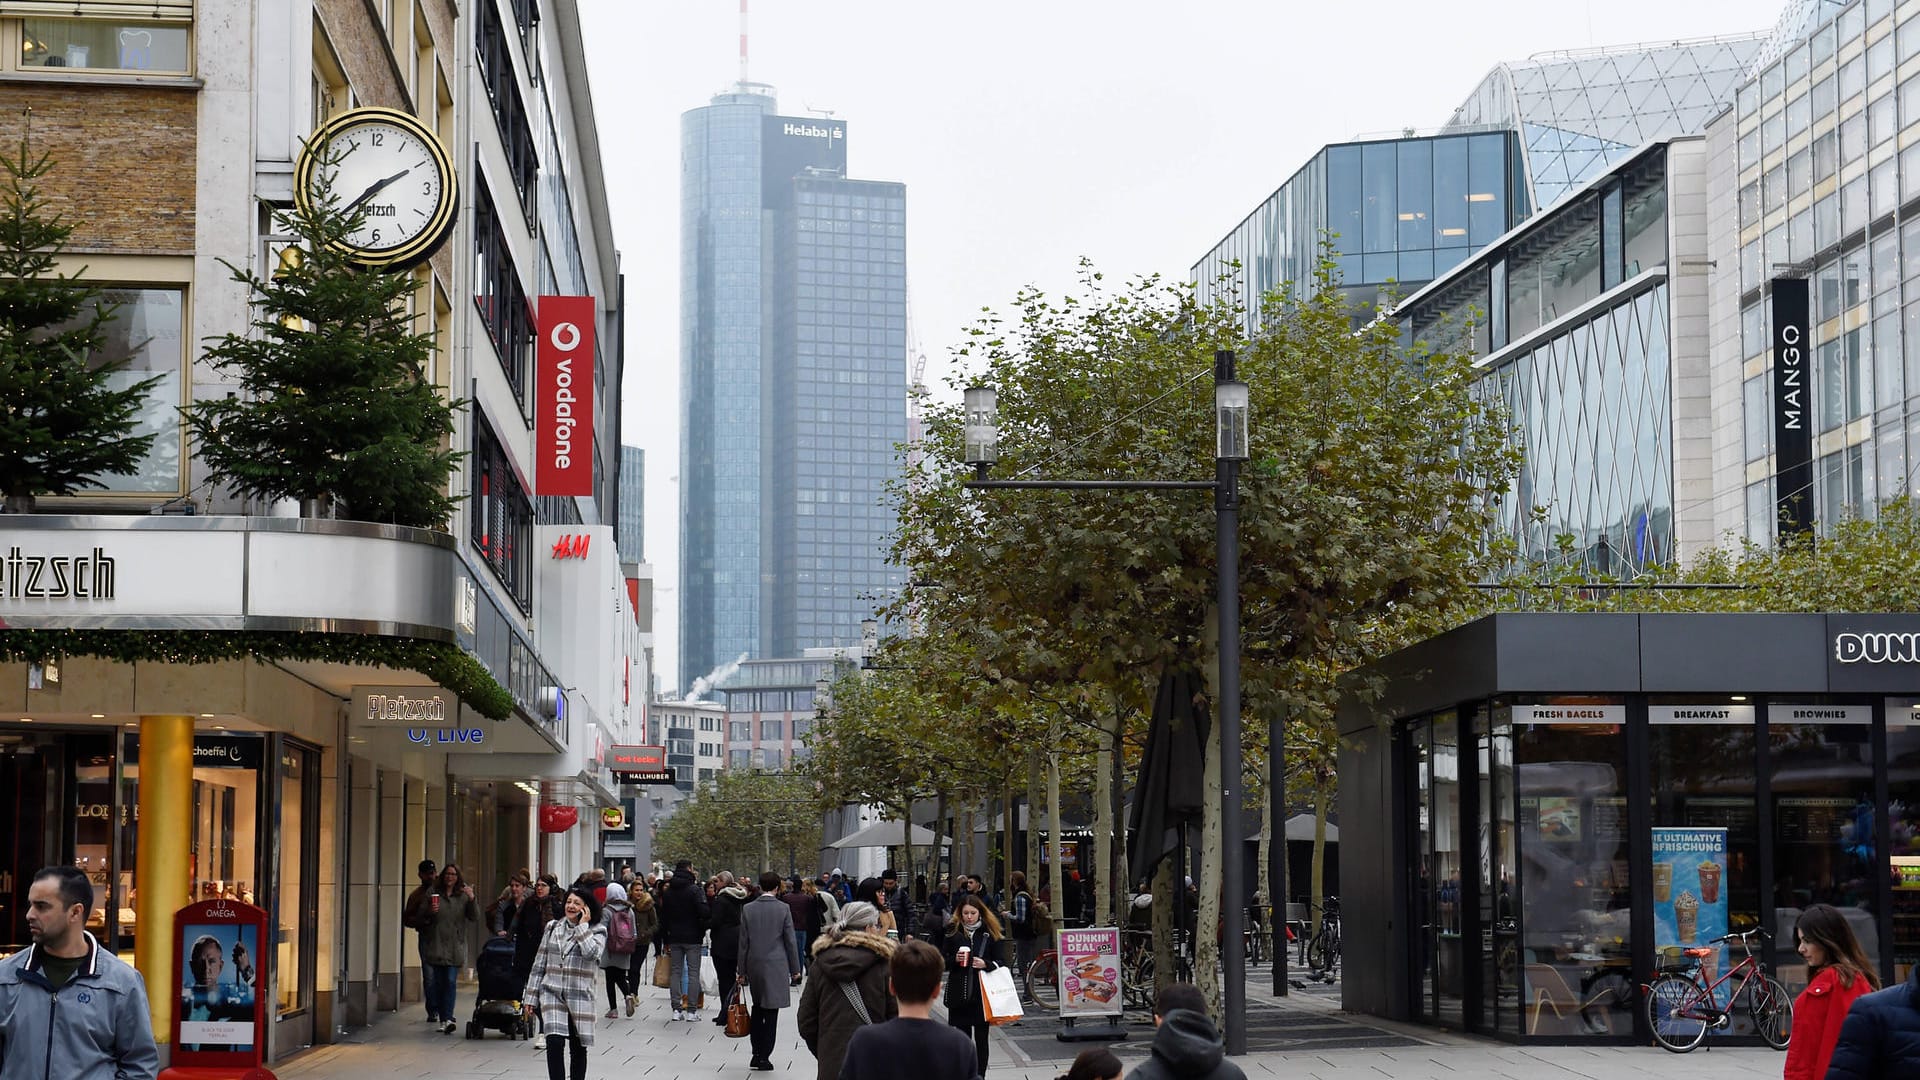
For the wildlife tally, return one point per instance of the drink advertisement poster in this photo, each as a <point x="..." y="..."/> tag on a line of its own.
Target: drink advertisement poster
<point x="1090" y="972"/>
<point x="1689" y="892"/>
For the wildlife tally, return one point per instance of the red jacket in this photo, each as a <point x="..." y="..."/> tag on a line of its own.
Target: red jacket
<point x="1817" y="1014"/>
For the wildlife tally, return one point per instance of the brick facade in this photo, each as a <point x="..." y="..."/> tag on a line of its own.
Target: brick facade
<point x="123" y="159"/>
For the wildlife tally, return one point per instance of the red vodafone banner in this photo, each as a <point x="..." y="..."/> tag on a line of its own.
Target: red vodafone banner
<point x="563" y="402"/>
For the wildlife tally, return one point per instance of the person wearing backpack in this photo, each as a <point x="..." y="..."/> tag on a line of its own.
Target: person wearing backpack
<point x="1020" y="907"/>
<point x="622" y="928"/>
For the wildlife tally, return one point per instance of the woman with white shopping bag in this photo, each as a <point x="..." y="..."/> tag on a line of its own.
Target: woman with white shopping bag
<point x="972" y="946"/>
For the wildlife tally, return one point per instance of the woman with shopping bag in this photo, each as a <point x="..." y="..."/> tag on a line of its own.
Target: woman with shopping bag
<point x="972" y="946"/>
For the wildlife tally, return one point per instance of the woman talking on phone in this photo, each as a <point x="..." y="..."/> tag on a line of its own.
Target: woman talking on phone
<point x="561" y="985"/>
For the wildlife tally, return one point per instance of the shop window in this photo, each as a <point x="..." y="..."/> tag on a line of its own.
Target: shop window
<point x="773" y="730"/>
<point x="91" y="35"/>
<point x="1903" y="817"/>
<point x="295" y="895"/>
<point x="1821" y="766"/>
<point x="1706" y="844"/>
<point x="144" y="336"/>
<point x="1576" y="946"/>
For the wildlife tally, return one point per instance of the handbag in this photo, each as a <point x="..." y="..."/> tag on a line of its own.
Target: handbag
<point x="662" y="972"/>
<point x="859" y="1004"/>
<point x="739" y="1020"/>
<point x="998" y="996"/>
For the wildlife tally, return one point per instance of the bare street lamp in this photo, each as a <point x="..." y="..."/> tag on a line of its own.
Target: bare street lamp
<point x="1230" y="404"/>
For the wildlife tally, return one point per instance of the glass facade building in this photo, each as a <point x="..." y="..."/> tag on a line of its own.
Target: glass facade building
<point x="630" y="530"/>
<point x="1817" y="175"/>
<point x="1399" y="212"/>
<point x="793" y="382"/>
<point x="1574" y="319"/>
<point x="1578" y="113"/>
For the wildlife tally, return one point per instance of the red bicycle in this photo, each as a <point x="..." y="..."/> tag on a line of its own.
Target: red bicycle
<point x="1682" y="1006"/>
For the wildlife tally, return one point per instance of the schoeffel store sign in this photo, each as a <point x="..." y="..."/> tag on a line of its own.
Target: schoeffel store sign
<point x="226" y="573"/>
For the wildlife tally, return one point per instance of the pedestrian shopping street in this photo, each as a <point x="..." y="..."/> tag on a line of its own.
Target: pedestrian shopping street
<point x="1321" y="1043"/>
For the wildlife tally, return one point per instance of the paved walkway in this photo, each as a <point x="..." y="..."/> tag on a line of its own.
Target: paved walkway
<point x="653" y="1044"/>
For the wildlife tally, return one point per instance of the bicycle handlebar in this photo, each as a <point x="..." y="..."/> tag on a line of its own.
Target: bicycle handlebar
<point x="1742" y="937"/>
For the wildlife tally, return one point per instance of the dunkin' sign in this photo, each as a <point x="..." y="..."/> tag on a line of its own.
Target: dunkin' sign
<point x="564" y="397"/>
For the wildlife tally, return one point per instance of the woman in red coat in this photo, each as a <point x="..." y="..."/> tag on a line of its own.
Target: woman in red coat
<point x="1841" y="972"/>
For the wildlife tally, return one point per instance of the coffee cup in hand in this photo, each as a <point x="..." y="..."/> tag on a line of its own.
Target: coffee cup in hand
<point x="964" y="956"/>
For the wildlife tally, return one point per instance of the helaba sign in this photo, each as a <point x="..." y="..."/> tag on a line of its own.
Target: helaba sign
<point x="30" y="575"/>
<point x="813" y="131"/>
<point x="414" y="706"/>
<point x="564" y="397"/>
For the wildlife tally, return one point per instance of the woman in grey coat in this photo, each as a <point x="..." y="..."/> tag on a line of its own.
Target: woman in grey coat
<point x="769" y="965"/>
<point x="561" y="986"/>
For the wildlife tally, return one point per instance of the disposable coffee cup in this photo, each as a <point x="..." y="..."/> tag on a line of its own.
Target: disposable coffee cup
<point x="436" y="903"/>
<point x="964" y="955"/>
<point x="1662" y="882"/>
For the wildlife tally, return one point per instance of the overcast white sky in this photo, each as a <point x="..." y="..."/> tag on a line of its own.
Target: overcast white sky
<point x="1032" y="132"/>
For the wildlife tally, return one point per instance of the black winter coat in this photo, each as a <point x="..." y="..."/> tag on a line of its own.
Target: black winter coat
<point x="725" y="906"/>
<point x="961" y="995"/>
<point x="683" y="912"/>
<point x="1880" y="1039"/>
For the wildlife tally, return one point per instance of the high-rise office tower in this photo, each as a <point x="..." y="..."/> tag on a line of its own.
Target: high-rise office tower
<point x="630" y="528"/>
<point x="793" y="382"/>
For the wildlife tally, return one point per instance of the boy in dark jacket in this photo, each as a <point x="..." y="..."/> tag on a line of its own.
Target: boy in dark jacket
<point x="1185" y="1042"/>
<point x="683" y="920"/>
<point x="1881" y="1036"/>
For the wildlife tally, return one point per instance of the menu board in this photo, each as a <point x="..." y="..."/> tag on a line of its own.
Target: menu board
<point x="1737" y="816"/>
<point x="1609" y="817"/>
<point x="1799" y="819"/>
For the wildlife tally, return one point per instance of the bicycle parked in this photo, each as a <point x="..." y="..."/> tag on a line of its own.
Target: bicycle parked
<point x="1323" y="949"/>
<point x="1682" y="1005"/>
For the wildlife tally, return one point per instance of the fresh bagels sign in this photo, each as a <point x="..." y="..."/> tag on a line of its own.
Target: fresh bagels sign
<point x="564" y="397"/>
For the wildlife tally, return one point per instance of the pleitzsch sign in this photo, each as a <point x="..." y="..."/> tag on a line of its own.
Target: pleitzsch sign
<point x="563" y="420"/>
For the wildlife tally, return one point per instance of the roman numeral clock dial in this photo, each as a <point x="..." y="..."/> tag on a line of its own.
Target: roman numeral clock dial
<point x="388" y="167"/>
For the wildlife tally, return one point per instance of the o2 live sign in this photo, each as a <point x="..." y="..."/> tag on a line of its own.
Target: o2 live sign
<point x="563" y="397"/>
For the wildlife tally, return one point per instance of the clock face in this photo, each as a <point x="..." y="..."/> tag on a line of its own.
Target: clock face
<point x="385" y="166"/>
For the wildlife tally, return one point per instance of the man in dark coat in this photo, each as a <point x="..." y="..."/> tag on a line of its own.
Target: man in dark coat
<point x="1881" y="1036"/>
<point x="1185" y="1042"/>
<point x="769" y="965"/>
<point x="683" y="922"/>
<point x="726" y="905"/>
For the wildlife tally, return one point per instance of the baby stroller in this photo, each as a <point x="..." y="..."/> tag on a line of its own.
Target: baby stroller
<point x="499" y="1004"/>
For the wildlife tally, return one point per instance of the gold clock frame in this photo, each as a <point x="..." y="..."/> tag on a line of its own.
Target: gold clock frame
<point x="438" y="227"/>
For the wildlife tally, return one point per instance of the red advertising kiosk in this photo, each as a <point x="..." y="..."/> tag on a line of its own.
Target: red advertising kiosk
<point x="220" y="1008"/>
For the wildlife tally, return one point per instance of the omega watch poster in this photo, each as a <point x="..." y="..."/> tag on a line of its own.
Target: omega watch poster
<point x="217" y="1017"/>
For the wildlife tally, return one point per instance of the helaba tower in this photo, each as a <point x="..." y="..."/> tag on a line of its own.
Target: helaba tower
<point x="793" y="375"/>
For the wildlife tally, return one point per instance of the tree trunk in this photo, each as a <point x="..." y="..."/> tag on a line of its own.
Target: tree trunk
<point x="1319" y="869"/>
<point x="1269" y="829"/>
<point x="1035" y="792"/>
<point x="1106" y="823"/>
<point x="1206" y="949"/>
<point x="905" y="918"/>
<point x="17" y="504"/>
<point x="966" y="842"/>
<point x="943" y="833"/>
<point x="1006" y="836"/>
<point x="1119" y="872"/>
<point x="1053" y="833"/>
<point x="1163" y="887"/>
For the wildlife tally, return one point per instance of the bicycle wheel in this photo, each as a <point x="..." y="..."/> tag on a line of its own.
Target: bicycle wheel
<point x="1317" y="952"/>
<point x="1673" y="1002"/>
<point x="1136" y="982"/>
<point x="1043" y="982"/>
<point x="1772" y="1011"/>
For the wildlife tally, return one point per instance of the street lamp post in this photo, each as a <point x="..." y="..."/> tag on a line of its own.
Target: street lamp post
<point x="1230" y="399"/>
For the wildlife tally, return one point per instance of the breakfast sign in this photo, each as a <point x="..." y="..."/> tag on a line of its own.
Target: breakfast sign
<point x="1090" y="972"/>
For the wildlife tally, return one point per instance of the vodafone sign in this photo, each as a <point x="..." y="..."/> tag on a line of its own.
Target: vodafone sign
<point x="563" y="400"/>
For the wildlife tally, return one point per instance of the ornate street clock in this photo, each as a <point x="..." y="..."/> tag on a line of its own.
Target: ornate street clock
<point x="388" y="165"/>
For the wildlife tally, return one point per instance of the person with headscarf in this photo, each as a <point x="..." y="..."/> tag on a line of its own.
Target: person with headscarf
<point x="848" y="988"/>
<point x="622" y="972"/>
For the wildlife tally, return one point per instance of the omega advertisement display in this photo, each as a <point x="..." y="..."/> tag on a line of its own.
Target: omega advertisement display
<point x="219" y="1020"/>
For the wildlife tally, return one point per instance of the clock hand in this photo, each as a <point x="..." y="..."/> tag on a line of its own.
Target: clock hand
<point x="377" y="187"/>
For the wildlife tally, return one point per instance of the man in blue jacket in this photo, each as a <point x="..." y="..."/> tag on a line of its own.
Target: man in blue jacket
<point x="1880" y="1039"/>
<point x="68" y="1009"/>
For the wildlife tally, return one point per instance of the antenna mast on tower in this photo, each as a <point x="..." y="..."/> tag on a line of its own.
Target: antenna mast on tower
<point x="743" y="42"/>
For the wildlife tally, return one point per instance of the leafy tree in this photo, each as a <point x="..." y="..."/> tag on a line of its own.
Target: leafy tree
<point x="1361" y="509"/>
<point x="746" y="822"/>
<point x="335" y="402"/>
<point x="66" y="419"/>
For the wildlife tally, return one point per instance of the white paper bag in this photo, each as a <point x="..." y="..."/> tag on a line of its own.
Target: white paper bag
<point x="1001" y="997"/>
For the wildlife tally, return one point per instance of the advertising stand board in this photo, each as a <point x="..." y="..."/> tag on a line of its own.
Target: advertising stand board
<point x="219" y="1015"/>
<point x="1089" y="969"/>
<point x="1689" y="900"/>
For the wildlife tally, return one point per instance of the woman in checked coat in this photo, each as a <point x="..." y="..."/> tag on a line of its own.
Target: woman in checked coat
<point x="561" y="987"/>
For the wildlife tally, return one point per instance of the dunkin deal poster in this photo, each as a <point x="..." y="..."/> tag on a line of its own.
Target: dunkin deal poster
<point x="1090" y="973"/>
<point x="1689" y="893"/>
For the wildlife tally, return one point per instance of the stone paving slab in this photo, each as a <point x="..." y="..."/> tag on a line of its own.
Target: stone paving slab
<point x="653" y="1045"/>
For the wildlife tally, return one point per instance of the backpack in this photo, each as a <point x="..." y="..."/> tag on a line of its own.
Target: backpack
<point x="1042" y="921"/>
<point x="622" y="937"/>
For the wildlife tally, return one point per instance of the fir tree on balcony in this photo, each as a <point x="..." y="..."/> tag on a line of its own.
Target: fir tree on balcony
<point x="67" y="416"/>
<point x="334" y="406"/>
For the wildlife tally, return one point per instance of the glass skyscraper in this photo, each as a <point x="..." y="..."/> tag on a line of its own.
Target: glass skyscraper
<point x="630" y="529"/>
<point x="793" y="382"/>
